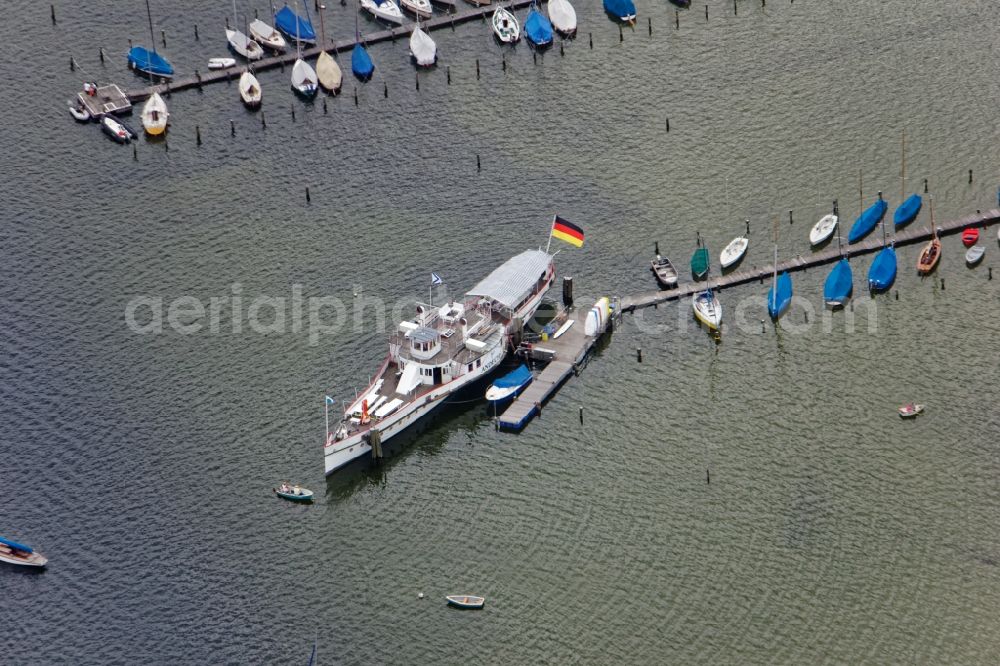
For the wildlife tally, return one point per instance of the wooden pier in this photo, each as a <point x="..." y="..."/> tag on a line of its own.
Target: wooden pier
<point x="198" y="79"/>
<point x="872" y="243"/>
<point x="565" y="355"/>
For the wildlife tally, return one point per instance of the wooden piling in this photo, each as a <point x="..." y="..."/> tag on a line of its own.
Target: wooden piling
<point x="232" y="127"/>
<point x="52" y="9"/>
<point x="100" y="52"/>
<point x="197" y="134"/>
<point x="308" y="197"/>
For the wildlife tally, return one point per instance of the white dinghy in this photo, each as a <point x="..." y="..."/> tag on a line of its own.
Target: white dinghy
<point x="823" y="229"/>
<point x="733" y="252"/>
<point x="155" y="115"/>
<point x="250" y="91"/>
<point x="267" y="36"/>
<point x="422" y="47"/>
<point x="221" y="63"/>
<point x="419" y="8"/>
<point x="386" y="10"/>
<point x="244" y="46"/>
<point x="505" y="26"/>
<point x="563" y="16"/>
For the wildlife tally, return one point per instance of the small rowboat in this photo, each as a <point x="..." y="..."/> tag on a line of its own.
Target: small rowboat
<point x="735" y="251"/>
<point x="911" y="410"/>
<point x="466" y="601"/>
<point x="79" y="112"/>
<point x="975" y="254"/>
<point x="293" y="492"/>
<point x="665" y="272"/>
<point x="823" y="229"/>
<point x="13" y="552"/>
<point x="221" y="63"/>
<point x="970" y="237"/>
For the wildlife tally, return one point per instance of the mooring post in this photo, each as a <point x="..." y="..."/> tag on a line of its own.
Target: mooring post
<point x="668" y="124"/>
<point x="942" y="284"/>
<point x="561" y="52"/>
<point x="197" y="75"/>
<point x="385" y="90"/>
<point x="308" y="198"/>
<point x="970" y="176"/>
<point x="135" y="153"/>
<point x="708" y="477"/>
<point x="479" y="165"/>
<point x="52" y="8"/>
<point x="101" y="52"/>
<point x="621" y="36"/>
<point x="72" y="64"/>
<point x="925" y="186"/>
<point x="448" y="71"/>
<point x="897" y="294"/>
<point x="735" y="9"/>
<point x="163" y="37"/>
<point x="656" y="248"/>
<point x="762" y="328"/>
<point x="649" y="23"/>
<point x="166" y="146"/>
<point x="989" y="275"/>
<point x="196" y="33"/>
<point x="416" y="78"/>
<point x="503" y="62"/>
<point x="232" y="127"/>
<point x="748" y="226"/>
<point x="477" y="69"/>
<point x="581" y="416"/>
<point x="534" y="58"/>
<point x="677" y="20"/>
<point x="538" y="408"/>
<point x="355" y="95"/>
<point x="324" y="106"/>
<point x="590" y="36"/>
<point x="130" y="44"/>
<point x="806" y="314"/>
<point x="227" y="23"/>
<point x="197" y="134"/>
<point x="638" y="354"/>
<point x="292" y="108"/>
<point x="263" y="121"/>
<point x="706" y="13"/>
<point x="789" y="217"/>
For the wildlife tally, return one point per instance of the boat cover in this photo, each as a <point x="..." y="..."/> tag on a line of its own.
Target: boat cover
<point x="867" y="221"/>
<point x="517" y="377"/>
<point x="538" y="28"/>
<point x="149" y="61"/>
<point x="907" y="210"/>
<point x="779" y="295"/>
<point x="361" y="63"/>
<point x="294" y="26"/>
<point x="17" y="546"/>
<point x="839" y="283"/>
<point x="699" y="261"/>
<point x="512" y="282"/>
<point x="623" y="9"/>
<point x="562" y="15"/>
<point x="882" y="273"/>
<point x="423" y="48"/>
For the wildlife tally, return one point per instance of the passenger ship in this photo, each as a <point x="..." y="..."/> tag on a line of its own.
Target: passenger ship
<point x="440" y="351"/>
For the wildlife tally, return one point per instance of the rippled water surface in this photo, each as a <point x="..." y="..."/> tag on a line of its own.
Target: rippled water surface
<point x="831" y="531"/>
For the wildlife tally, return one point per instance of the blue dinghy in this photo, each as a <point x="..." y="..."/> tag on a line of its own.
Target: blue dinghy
<point x="867" y="221"/>
<point x="623" y="10"/>
<point x="508" y="386"/>
<point x="779" y="296"/>
<point x="882" y="273"/>
<point x="839" y="284"/>
<point x="537" y="27"/>
<point x="294" y="26"/>
<point x="907" y="210"/>
<point x="149" y="62"/>
<point x="361" y="63"/>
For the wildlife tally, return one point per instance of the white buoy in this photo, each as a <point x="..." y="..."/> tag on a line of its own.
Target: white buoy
<point x="420" y="595"/>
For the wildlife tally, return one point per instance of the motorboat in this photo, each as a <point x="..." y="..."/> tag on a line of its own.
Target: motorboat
<point x="266" y="35"/>
<point x="910" y="410"/>
<point x="823" y="229"/>
<point x="115" y="129"/>
<point x="293" y="492"/>
<point x="386" y="10"/>
<point x="665" y="272"/>
<point x="13" y="552"/>
<point x="505" y="26"/>
<point x="734" y="252"/>
<point x="510" y="385"/>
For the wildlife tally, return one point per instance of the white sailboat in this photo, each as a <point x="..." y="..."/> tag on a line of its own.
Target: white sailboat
<point x="707" y="309"/>
<point x="250" y="92"/>
<point x="505" y="26"/>
<point x="563" y="16"/>
<point x="419" y="8"/>
<point x="243" y="45"/>
<point x="304" y="80"/>
<point x="386" y="10"/>
<point x="422" y="47"/>
<point x="267" y="36"/>
<point x="155" y="115"/>
<point x="733" y="252"/>
<point x="328" y="72"/>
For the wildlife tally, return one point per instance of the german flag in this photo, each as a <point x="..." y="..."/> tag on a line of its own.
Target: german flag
<point x="567" y="231"/>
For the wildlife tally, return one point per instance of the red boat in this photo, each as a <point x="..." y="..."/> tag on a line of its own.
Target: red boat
<point x="970" y="236"/>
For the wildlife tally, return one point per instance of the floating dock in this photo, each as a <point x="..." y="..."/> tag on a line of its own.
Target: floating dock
<point x="872" y="243"/>
<point x="565" y="355"/>
<point x="106" y="99"/>
<point x="197" y="80"/>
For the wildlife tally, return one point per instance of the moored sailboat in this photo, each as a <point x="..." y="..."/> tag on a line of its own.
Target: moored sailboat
<point x="839" y="285"/>
<point x="930" y="255"/>
<point x="423" y="50"/>
<point x="328" y="72"/>
<point x="707" y="309"/>
<point x="295" y="27"/>
<point x="537" y="27"/>
<point x="155" y="116"/>
<point x="867" y="220"/>
<point x="562" y="16"/>
<point x="505" y="26"/>
<point x="149" y="61"/>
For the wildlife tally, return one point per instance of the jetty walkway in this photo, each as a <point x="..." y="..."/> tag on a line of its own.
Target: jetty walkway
<point x="197" y="80"/>
<point x="872" y="243"/>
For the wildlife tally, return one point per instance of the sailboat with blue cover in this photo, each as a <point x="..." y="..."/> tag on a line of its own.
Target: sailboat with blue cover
<point x="779" y="296"/>
<point x="910" y="207"/>
<point x="839" y="285"/>
<point x="537" y="27"/>
<point x="867" y="221"/>
<point x="294" y="26"/>
<point x="507" y="387"/>
<point x="882" y="273"/>
<point x="623" y="10"/>
<point x="148" y="61"/>
<point x="361" y="62"/>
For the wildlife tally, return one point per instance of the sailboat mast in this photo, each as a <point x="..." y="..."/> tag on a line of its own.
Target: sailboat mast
<point x="902" y="173"/>
<point x="861" y="195"/>
<point x="149" y="17"/>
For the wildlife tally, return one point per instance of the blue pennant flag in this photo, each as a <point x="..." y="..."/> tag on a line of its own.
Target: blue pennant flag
<point x="436" y="279"/>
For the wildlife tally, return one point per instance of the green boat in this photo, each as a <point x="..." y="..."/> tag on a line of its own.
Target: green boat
<point x="699" y="263"/>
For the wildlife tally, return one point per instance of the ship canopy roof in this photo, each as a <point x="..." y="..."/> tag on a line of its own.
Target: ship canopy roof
<point x="512" y="281"/>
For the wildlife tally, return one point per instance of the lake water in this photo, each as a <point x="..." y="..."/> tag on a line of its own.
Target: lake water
<point x="831" y="531"/>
